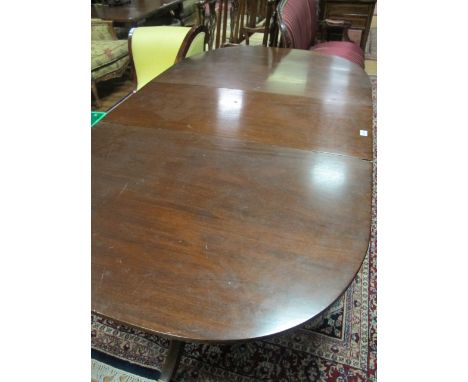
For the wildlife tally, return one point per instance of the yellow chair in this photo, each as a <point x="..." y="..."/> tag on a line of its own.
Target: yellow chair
<point x="155" y="49"/>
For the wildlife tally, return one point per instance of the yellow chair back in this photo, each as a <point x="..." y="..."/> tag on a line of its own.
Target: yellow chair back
<point x="156" y="49"/>
<point x="197" y="46"/>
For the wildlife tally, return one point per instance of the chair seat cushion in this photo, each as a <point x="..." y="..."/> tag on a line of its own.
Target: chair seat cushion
<point x="106" y="52"/>
<point x="112" y="70"/>
<point x="345" y="49"/>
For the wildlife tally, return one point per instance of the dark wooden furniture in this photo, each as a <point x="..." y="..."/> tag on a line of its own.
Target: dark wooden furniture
<point x="253" y="17"/>
<point x="214" y="15"/>
<point x="358" y="12"/>
<point x="231" y="22"/>
<point x="207" y="17"/>
<point x="134" y="12"/>
<point x="235" y="204"/>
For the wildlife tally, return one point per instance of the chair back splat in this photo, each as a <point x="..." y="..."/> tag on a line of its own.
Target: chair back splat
<point x="254" y="17"/>
<point x="235" y="21"/>
<point x="207" y="18"/>
<point x="155" y="49"/>
<point x="221" y="9"/>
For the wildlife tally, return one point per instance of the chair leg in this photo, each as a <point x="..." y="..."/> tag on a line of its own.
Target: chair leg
<point x="95" y="94"/>
<point x="133" y="76"/>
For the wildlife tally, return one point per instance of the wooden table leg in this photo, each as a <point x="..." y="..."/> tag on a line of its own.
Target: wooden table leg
<point x="172" y="360"/>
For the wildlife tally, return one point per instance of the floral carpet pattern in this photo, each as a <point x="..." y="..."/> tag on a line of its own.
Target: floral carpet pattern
<point x="338" y="345"/>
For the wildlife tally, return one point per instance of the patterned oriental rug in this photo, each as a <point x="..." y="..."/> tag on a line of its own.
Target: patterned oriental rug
<point x="338" y="345"/>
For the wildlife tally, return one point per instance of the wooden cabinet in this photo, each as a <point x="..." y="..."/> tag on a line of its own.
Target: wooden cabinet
<point x="358" y="12"/>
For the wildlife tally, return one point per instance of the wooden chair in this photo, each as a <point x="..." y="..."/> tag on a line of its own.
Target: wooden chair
<point x="254" y="18"/>
<point x="219" y="16"/>
<point x="213" y="14"/>
<point x="232" y="22"/>
<point x="298" y="25"/>
<point x="109" y="56"/>
<point x="155" y="49"/>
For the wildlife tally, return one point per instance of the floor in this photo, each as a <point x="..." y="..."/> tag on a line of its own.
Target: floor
<point x="112" y="91"/>
<point x="371" y="65"/>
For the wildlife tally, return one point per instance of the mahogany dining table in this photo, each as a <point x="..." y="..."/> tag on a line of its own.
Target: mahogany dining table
<point x="231" y="196"/>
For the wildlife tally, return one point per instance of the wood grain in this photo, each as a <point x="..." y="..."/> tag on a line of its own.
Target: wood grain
<point x="235" y="113"/>
<point x="297" y="72"/>
<point x="212" y="225"/>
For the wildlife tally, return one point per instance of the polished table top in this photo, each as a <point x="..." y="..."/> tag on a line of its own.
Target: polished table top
<point x="134" y="11"/>
<point x="231" y="196"/>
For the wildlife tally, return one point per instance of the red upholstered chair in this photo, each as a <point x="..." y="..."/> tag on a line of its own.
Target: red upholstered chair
<point x="298" y="26"/>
